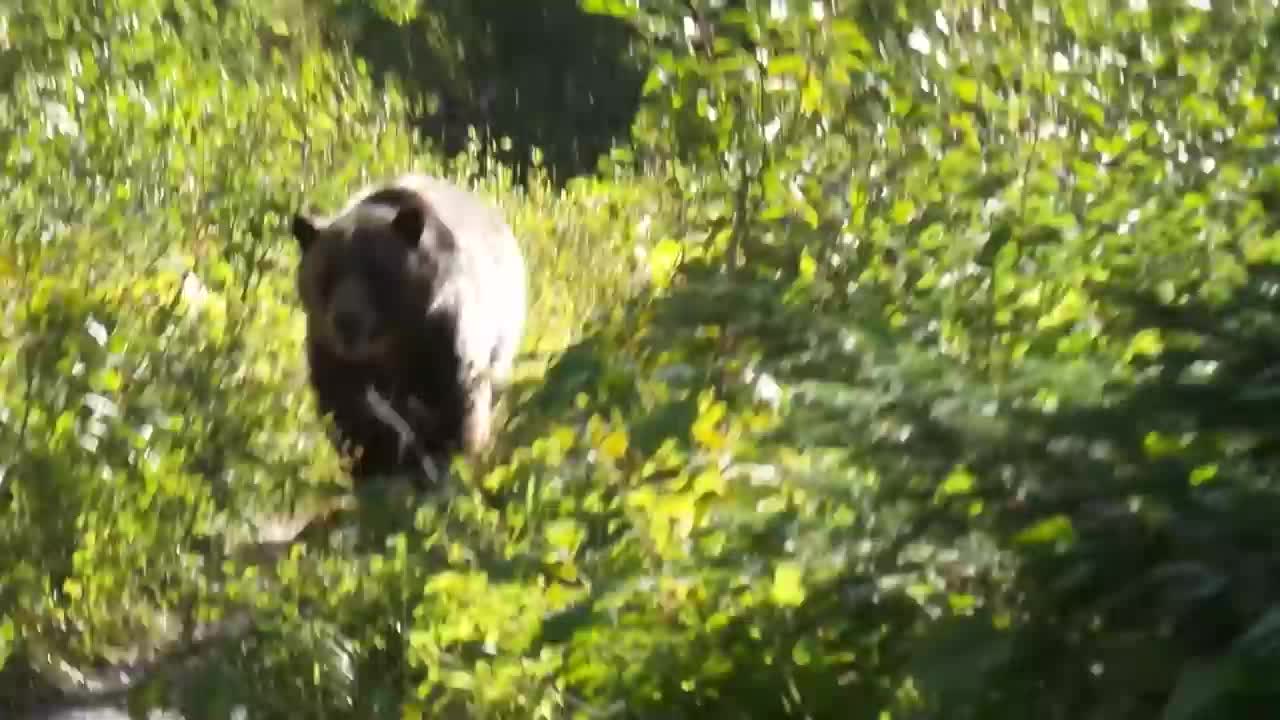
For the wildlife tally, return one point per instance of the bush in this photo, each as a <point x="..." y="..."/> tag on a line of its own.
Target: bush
<point x="912" y="359"/>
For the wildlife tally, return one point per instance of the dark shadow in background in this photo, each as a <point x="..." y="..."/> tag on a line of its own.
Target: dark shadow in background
<point x="543" y="74"/>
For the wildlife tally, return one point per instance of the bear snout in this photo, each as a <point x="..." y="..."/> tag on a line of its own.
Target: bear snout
<point x="350" y="327"/>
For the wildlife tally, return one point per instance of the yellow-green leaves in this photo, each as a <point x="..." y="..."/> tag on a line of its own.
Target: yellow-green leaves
<point x="564" y="535"/>
<point x="789" y="64"/>
<point x="966" y="89"/>
<point x="1056" y="529"/>
<point x="662" y="259"/>
<point x="706" y="429"/>
<point x="788" y="584"/>
<point x="614" y="445"/>
<point x="1146" y="343"/>
<point x="959" y="482"/>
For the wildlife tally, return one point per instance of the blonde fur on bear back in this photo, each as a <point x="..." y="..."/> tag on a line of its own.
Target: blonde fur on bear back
<point x="489" y="291"/>
<point x="471" y="219"/>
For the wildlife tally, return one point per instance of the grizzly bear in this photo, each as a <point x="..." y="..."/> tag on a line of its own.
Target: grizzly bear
<point x="414" y="297"/>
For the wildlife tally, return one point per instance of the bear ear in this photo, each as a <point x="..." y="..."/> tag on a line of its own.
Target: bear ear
<point x="409" y="224"/>
<point x="304" y="231"/>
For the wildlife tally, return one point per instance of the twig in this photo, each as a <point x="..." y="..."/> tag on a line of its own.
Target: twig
<point x="408" y="438"/>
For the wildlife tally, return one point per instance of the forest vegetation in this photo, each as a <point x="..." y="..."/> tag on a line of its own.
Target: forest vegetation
<point x="887" y="360"/>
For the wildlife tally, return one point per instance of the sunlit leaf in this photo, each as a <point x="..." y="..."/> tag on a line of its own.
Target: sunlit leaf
<point x="614" y="445"/>
<point x="1055" y="529"/>
<point x="958" y="482"/>
<point x="788" y="584"/>
<point x="966" y="89"/>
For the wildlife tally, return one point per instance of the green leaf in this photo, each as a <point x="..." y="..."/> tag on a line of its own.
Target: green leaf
<point x="564" y="534"/>
<point x="811" y="101"/>
<point x="1146" y="343"/>
<point x="8" y="632"/>
<point x="959" y="482"/>
<point x="1055" y="529"/>
<point x="903" y="210"/>
<point x="663" y="259"/>
<point x="1069" y="309"/>
<point x="106" y="380"/>
<point x="850" y="35"/>
<point x="1203" y="474"/>
<point x="807" y="268"/>
<point x="614" y="8"/>
<point x="801" y="654"/>
<point x="962" y="603"/>
<point x="788" y="584"/>
<point x="791" y="64"/>
<point x="459" y="680"/>
<point x="966" y="89"/>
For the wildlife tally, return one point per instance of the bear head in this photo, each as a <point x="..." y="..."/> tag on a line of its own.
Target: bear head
<point x="365" y="274"/>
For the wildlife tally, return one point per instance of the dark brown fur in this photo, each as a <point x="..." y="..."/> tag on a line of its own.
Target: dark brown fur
<point x="370" y="282"/>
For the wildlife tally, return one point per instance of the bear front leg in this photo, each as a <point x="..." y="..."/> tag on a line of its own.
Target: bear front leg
<point x="478" y="416"/>
<point x="366" y="444"/>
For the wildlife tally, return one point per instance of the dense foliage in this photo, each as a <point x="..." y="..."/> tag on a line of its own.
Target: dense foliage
<point x="910" y="359"/>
